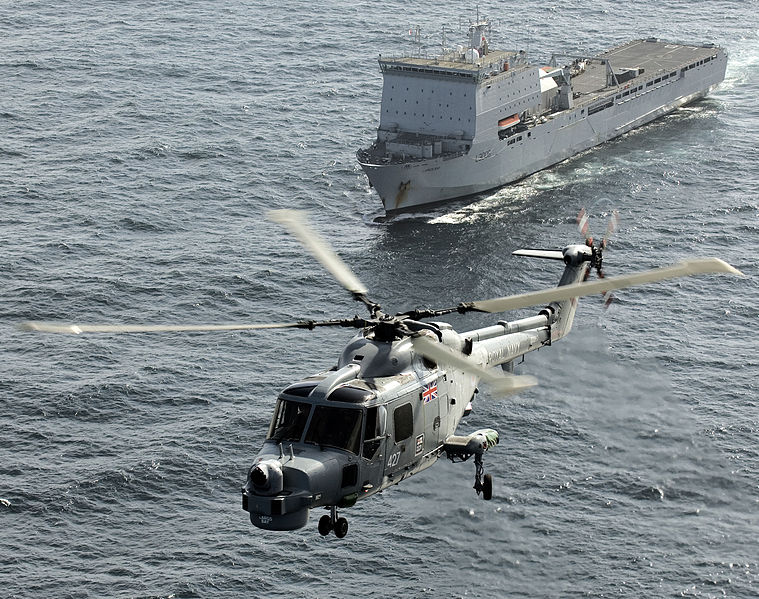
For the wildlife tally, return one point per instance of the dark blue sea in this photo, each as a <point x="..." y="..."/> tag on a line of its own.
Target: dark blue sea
<point x="142" y="144"/>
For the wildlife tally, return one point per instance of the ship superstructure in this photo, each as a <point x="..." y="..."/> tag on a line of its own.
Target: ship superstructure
<point x="473" y="119"/>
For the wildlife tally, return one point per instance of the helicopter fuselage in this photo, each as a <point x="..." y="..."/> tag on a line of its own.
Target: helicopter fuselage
<point x="385" y="413"/>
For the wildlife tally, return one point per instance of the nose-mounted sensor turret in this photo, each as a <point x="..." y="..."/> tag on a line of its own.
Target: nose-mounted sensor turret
<point x="266" y="477"/>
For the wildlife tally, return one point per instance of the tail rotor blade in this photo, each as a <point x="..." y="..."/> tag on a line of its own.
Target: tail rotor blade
<point x="582" y="222"/>
<point x="611" y="227"/>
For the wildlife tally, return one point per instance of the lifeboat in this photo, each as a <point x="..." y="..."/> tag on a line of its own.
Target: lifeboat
<point x="504" y="124"/>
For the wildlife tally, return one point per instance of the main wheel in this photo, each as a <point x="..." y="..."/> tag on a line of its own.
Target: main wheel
<point x="325" y="525"/>
<point x="341" y="528"/>
<point x="487" y="487"/>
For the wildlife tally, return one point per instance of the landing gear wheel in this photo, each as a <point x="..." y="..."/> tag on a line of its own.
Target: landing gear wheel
<point x="487" y="487"/>
<point x="325" y="525"/>
<point x="341" y="528"/>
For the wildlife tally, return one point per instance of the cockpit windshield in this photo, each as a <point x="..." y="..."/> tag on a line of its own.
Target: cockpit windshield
<point x="289" y="420"/>
<point x="335" y="427"/>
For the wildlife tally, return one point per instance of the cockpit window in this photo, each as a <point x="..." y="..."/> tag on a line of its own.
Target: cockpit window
<point x="350" y="394"/>
<point x="289" y="420"/>
<point x="300" y="389"/>
<point x="335" y="427"/>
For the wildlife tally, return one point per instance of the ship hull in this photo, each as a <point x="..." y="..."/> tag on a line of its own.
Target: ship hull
<point x="405" y="186"/>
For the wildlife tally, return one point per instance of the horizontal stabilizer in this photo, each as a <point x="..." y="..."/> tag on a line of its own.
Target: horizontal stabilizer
<point x="550" y="254"/>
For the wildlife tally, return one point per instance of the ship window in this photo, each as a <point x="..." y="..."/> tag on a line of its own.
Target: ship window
<point x="649" y="84"/>
<point x="625" y="94"/>
<point x="673" y="74"/>
<point x="657" y="80"/>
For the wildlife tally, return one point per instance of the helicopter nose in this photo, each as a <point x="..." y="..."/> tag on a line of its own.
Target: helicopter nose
<point x="279" y="496"/>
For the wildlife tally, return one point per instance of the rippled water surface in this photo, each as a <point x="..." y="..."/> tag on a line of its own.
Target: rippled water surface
<point x="142" y="145"/>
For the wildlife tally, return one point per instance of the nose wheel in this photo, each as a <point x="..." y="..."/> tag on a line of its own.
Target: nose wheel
<point x="331" y="522"/>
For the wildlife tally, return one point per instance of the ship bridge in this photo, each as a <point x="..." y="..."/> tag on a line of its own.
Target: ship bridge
<point x="456" y="65"/>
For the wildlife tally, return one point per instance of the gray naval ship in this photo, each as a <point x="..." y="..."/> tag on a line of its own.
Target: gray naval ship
<point x="473" y="119"/>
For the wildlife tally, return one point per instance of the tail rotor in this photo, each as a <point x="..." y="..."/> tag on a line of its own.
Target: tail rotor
<point x="598" y="246"/>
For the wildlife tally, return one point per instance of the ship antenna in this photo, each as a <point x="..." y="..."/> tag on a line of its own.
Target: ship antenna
<point x="417" y="32"/>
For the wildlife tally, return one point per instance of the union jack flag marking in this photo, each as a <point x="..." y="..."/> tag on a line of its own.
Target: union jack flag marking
<point x="429" y="393"/>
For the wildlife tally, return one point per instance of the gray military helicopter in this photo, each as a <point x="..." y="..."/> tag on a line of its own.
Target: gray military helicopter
<point x="392" y="404"/>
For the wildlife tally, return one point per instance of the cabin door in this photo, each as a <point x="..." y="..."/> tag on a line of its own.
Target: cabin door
<point x="373" y="449"/>
<point x="404" y="424"/>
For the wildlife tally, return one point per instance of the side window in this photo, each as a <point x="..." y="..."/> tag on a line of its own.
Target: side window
<point x="403" y="421"/>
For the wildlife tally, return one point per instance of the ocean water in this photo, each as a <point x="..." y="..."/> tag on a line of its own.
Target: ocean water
<point x="142" y="145"/>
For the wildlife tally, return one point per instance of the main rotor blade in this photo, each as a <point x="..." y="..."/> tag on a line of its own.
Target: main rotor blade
<point x="76" y="329"/>
<point x="503" y="383"/>
<point x="293" y="220"/>
<point x="525" y="300"/>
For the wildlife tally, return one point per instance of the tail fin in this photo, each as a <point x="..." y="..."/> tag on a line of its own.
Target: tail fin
<point x="577" y="260"/>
